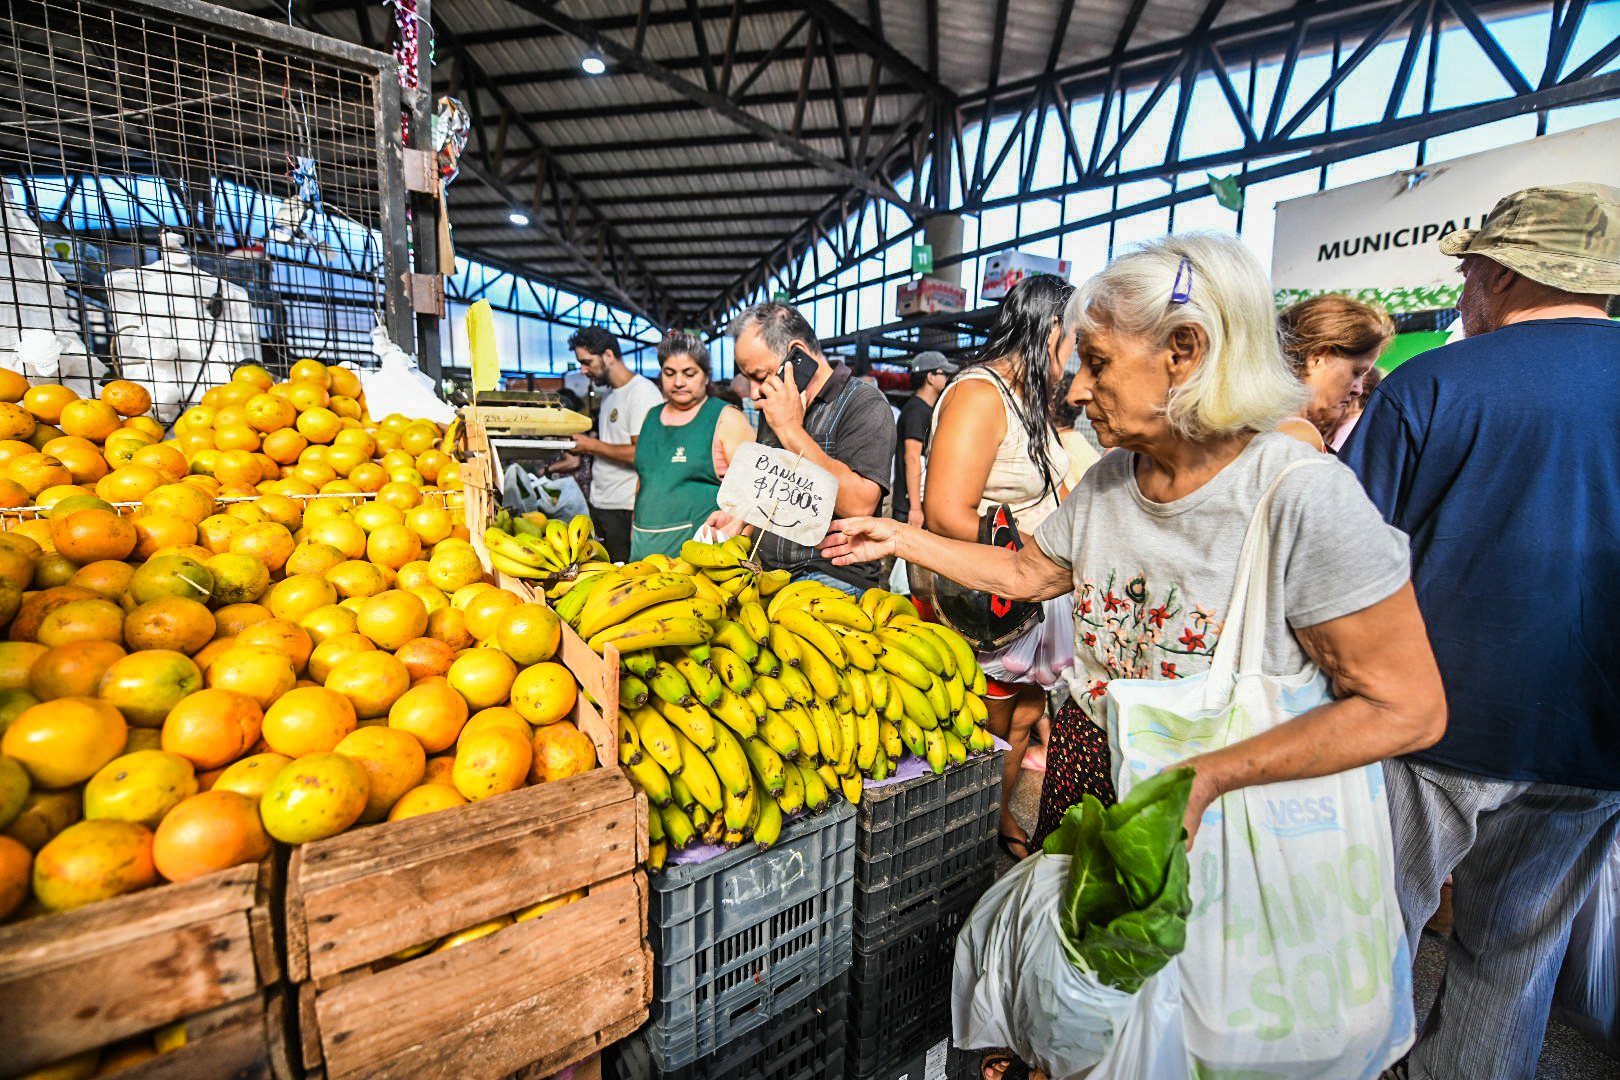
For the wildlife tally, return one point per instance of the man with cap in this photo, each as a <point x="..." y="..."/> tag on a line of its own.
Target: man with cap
<point x="1499" y="455"/>
<point x="930" y="371"/>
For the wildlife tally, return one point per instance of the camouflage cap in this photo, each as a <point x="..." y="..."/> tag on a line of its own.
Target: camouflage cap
<point x="1565" y="237"/>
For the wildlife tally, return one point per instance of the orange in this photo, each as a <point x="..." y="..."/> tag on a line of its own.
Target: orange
<point x="247" y="512"/>
<point x="17" y="863"/>
<point x="419" y="438"/>
<point x="46" y="402"/>
<point x="12" y="493"/>
<point x="42" y="434"/>
<point x="140" y="786"/>
<point x="430" y="462"/>
<point x="308" y="720"/>
<point x="432" y="712"/>
<point x="317" y="796"/>
<point x="356" y="579"/>
<point x="313" y="558"/>
<point x="169" y="622"/>
<point x="217" y="531"/>
<point x="281" y="634"/>
<point x="343" y="459"/>
<point x="93" y="860"/>
<point x="72" y="670"/>
<point x="319" y="425"/>
<point x="269" y="412"/>
<point x="109" y="578"/>
<point x="259" y="671"/>
<point x="499" y="716"/>
<point x="212" y="651"/>
<point x="61" y="493"/>
<point x="449" y="478"/>
<point x="560" y="750"/>
<point x="64" y="742"/>
<point x="50" y="571"/>
<point x="345" y="407"/>
<point x="485" y="610"/>
<point x="239" y="578"/>
<point x="145" y="425"/>
<point x="431" y="524"/>
<point x="372" y="680"/>
<point x="284" y="446"/>
<point x="394" y="762"/>
<point x="404" y="496"/>
<point x="14" y="448"/>
<point x="159" y="532"/>
<point x="168" y="461"/>
<point x="232" y="619"/>
<point x="415" y="575"/>
<point x="340" y="532"/>
<point x="440" y="769"/>
<point x="182" y="500"/>
<point x="269" y="467"/>
<point x="313" y="370"/>
<point x="172" y="575"/>
<point x="368" y="476"/>
<point x="329" y="620"/>
<point x="254" y="375"/>
<point x="39" y="531"/>
<point x="427" y="798"/>
<point x="17" y="567"/>
<point x="36" y="472"/>
<point x="281" y="510"/>
<point x="315" y="455"/>
<point x="231" y="412"/>
<point x="94" y="420"/>
<point x="374" y="515"/>
<point x="237" y="469"/>
<point x="270" y="542"/>
<point x="398" y="459"/>
<point x="200" y="449"/>
<point x="211" y="831"/>
<point x="306" y="394"/>
<point x="294" y="597"/>
<point x="122" y="445"/>
<point x="449" y="626"/>
<point x="334" y="648"/>
<point x="212" y="727"/>
<point x="83" y="620"/>
<point x="84" y="465"/>
<point x="237" y="437"/>
<point x="483" y="677"/>
<point x="491" y="761"/>
<point x="314" y="473"/>
<point x="146" y="685"/>
<point x="129" y="483"/>
<point x="392" y="618"/>
<point x="126" y="398"/>
<point x="13" y="385"/>
<point x="251" y="775"/>
<point x="343" y="381"/>
<point x="528" y="633"/>
<point x="544" y="693"/>
<point x="25" y="625"/>
<point x="423" y="656"/>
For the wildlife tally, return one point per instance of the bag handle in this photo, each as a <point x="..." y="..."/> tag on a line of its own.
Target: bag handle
<point x="1240" y="651"/>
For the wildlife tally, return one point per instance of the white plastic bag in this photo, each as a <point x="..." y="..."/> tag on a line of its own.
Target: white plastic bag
<point x="398" y="385"/>
<point x="1588" y="995"/>
<point x="1013" y="987"/>
<point x="1296" y="962"/>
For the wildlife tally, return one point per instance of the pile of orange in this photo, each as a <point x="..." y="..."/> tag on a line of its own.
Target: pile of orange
<point x="187" y="680"/>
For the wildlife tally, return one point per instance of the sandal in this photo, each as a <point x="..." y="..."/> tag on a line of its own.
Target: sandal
<point x="1007" y="840"/>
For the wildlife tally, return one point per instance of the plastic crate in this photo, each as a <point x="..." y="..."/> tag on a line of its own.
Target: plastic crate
<point x="937" y="1061"/>
<point x="807" y="1042"/>
<point x="894" y="817"/>
<point x="741" y="938"/>
<point x="900" y="991"/>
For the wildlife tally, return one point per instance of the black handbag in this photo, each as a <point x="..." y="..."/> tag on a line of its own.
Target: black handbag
<point x="987" y="621"/>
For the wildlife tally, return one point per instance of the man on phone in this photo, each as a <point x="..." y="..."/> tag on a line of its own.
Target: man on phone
<point x="822" y="412"/>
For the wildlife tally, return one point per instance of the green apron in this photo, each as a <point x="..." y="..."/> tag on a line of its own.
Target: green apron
<point x="678" y="484"/>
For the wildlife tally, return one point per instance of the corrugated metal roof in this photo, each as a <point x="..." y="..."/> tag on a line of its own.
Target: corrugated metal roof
<point x="649" y="171"/>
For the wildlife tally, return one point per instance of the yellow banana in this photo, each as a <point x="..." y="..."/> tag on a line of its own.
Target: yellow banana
<point x="657" y="739"/>
<point x="938" y="700"/>
<point x="869" y="601"/>
<point x="851" y="787"/>
<point x="694" y="723"/>
<point x="906" y="668"/>
<point x="652" y="779"/>
<point x="956" y="692"/>
<point x="785" y="645"/>
<point x="967" y="661"/>
<point x="911" y="734"/>
<point x="791" y="799"/>
<point x="892" y="746"/>
<point x="862" y="649"/>
<point x="615" y="605"/>
<point x="731" y="635"/>
<point x="709" y="590"/>
<point x="805" y="728"/>
<point x="524" y="550"/>
<point x="706" y="685"/>
<point x="775" y="694"/>
<point x="709" y="556"/>
<point x="868" y="740"/>
<point x="557" y="539"/>
<point x="797" y="686"/>
<point x="636" y="634"/>
<point x="657" y="856"/>
<point x="737" y="675"/>
<point x="736" y="714"/>
<point x="751" y="616"/>
<point x="629" y="740"/>
<point x="827" y="733"/>
<point x="816" y="795"/>
<point x="512" y="568"/>
<point x="773" y="580"/>
<point x="798" y="592"/>
<point x="844" y="612"/>
<point x="814" y="632"/>
<point x="737" y="812"/>
<point x="936" y="753"/>
<point x="829" y="776"/>
<point x="915" y="644"/>
<point x="693" y="607"/>
<point x="860" y="692"/>
<point x="916" y="705"/>
<point x="767" y="663"/>
<point x="778" y="733"/>
<point x="974" y="708"/>
<point x="698" y="775"/>
<point x="955" y="748"/>
<point x="767" y="764"/>
<point x="580" y="530"/>
<point x="820" y="674"/>
<point x="848" y="732"/>
<point x="569" y="607"/>
<point x="878" y="682"/>
<point x="768" y="827"/>
<point x="729" y="761"/>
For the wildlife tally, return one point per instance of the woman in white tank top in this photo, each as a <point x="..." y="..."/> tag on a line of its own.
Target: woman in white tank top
<point x="993" y="443"/>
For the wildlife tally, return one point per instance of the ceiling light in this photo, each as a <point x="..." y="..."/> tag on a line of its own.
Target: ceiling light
<point x="518" y="217"/>
<point x="592" y="64"/>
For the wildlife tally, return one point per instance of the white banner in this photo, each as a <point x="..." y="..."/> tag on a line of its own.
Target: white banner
<point x="1380" y="237"/>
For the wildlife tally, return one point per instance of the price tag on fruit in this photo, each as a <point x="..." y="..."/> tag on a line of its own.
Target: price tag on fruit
<point x="779" y="491"/>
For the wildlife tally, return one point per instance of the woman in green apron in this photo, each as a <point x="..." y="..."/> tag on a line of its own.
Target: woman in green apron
<point x="683" y="450"/>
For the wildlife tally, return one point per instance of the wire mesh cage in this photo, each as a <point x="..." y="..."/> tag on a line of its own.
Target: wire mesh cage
<point x="186" y="189"/>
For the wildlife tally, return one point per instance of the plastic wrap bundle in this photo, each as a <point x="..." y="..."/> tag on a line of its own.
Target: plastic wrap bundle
<point x="398" y="385"/>
<point x="1043" y="654"/>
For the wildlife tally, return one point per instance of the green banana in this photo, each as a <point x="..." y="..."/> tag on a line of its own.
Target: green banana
<point x="632" y="691"/>
<point x="640" y="664"/>
<point x="911" y="734"/>
<point x="706" y="685"/>
<point x="732" y="636"/>
<point x="655" y="824"/>
<point x="677" y="825"/>
<point x="767" y="764"/>
<point x="670" y="685"/>
<point x="688" y="802"/>
<point x="767" y="662"/>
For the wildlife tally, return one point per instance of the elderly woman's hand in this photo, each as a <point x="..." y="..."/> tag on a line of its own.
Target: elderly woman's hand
<point x="861" y="539"/>
<point x="1205" y="790"/>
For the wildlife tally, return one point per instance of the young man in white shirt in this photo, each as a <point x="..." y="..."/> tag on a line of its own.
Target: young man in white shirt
<point x="629" y="399"/>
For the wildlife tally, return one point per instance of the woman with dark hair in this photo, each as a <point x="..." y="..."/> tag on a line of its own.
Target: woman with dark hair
<point x="993" y="444"/>
<point x="685" y="447"/>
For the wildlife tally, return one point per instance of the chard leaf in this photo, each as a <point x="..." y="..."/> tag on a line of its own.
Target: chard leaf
<point x="1142" y="831"/>
<point x="1093" y="894"/>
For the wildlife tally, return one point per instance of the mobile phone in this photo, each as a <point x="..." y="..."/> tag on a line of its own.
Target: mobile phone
<point x="804" y="368"/>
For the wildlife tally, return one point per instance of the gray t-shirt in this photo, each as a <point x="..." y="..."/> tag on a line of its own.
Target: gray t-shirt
<point x="1152" y="580"/>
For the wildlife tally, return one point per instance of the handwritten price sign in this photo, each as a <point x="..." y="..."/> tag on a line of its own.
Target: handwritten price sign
<point x="777" y="490"/>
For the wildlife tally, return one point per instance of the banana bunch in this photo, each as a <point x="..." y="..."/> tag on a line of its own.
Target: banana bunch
<point x="532" y="547"/>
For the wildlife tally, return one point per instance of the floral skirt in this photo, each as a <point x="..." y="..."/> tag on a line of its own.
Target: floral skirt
<point x="1077" y="765"/>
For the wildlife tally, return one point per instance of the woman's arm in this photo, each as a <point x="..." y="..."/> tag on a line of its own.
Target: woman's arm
<point x="1026" y="574"/>
<point x="730" y="432"/>
<point x="972" y="423"/>
<point x="1392" y="703"/>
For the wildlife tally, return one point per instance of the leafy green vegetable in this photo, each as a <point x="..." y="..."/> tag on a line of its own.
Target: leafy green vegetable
<point x="1125" y="906"/>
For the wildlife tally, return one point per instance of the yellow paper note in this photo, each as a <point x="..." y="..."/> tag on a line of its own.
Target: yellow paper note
<point x="486" y="363"/>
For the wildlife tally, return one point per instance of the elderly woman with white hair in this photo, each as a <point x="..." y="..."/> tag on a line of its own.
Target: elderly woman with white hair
<point x="1183" y="373"/>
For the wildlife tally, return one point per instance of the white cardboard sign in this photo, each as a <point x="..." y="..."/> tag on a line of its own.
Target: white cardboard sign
<point x="779" y="491"/>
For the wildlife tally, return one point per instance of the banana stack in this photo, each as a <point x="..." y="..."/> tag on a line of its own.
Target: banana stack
<point x="537" y="549"/>
<point x="746" y="697"/>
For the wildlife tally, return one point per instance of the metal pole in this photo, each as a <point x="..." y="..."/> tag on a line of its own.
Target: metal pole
<point x="425" y="207"/>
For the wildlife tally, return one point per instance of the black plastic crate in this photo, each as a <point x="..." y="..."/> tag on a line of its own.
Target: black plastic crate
<point x="964" y="853"/>
<point x="743" y="937"/>
<point x="894" y="817"/>
<point x="939" y="1060"/>
<point x="900" y="989"/>
<point x="806" y="1042"/>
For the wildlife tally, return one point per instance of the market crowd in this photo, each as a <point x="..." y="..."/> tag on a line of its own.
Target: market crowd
<point x="1445" y="550"/>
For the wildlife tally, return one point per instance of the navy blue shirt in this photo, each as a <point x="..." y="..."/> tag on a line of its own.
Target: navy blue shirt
<point x="1500" y="457"/>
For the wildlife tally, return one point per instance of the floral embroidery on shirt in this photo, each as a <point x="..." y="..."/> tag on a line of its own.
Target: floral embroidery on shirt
<point x="1125" y="633"/>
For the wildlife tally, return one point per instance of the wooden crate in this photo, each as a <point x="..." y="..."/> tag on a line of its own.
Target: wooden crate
<point x="246" y="1040"/>
<point x="81" y="979"/>
<point x="550" y="989"/>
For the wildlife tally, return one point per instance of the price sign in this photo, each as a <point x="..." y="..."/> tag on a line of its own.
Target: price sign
<point x="779" y="491"/>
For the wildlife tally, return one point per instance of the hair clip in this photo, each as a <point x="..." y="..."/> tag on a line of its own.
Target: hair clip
<point x="1181" y="293"/>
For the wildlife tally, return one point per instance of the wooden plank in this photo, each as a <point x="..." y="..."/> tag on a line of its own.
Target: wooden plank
<point x="428" y="897"/>
<point x="446" y="999"/>
<point x="579" y="1050"/>
<point x="236" y="1041"/>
